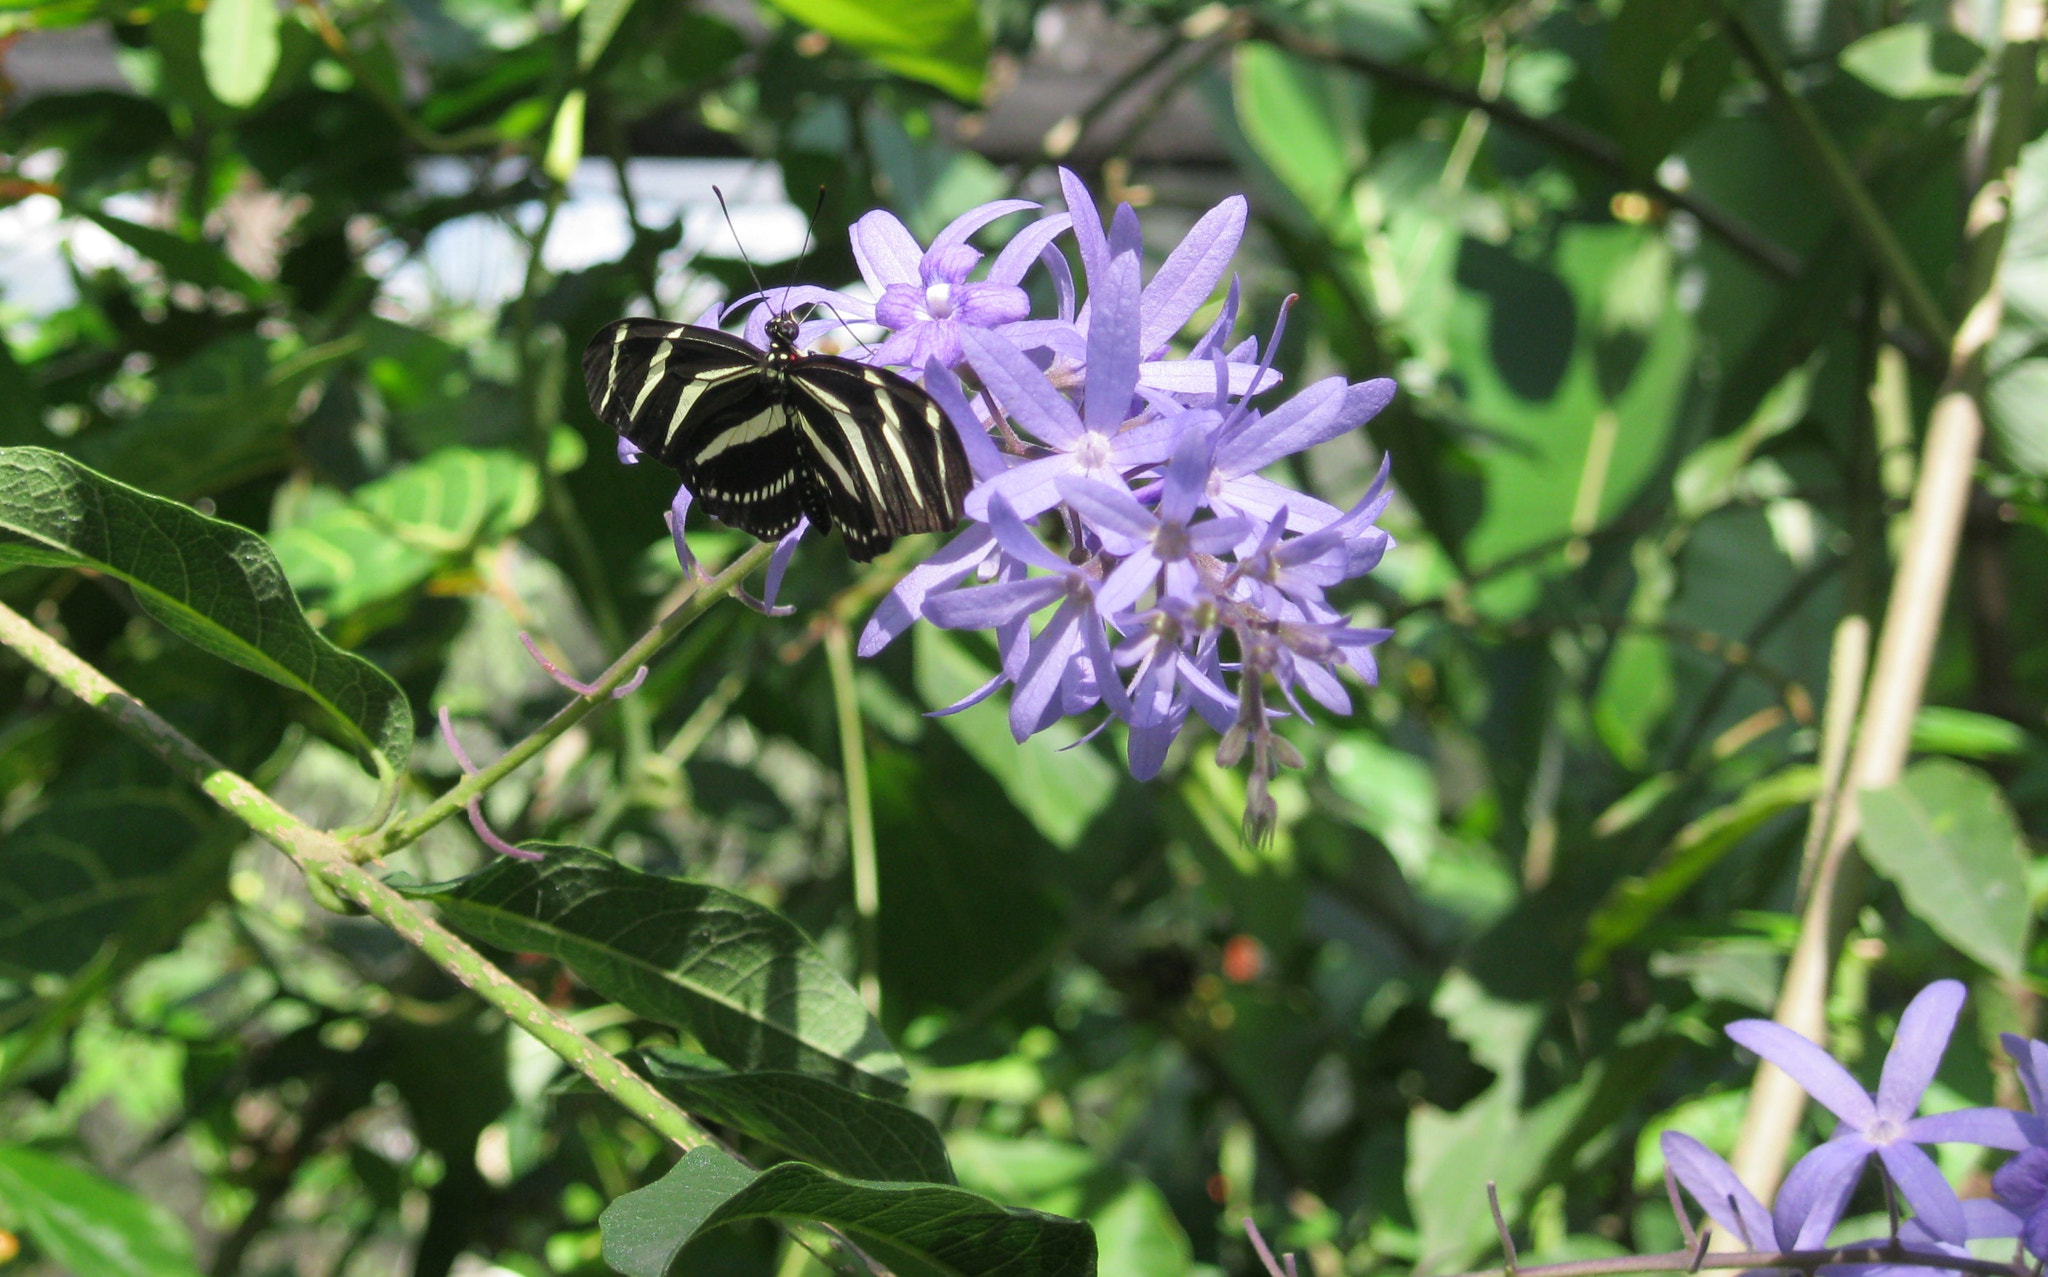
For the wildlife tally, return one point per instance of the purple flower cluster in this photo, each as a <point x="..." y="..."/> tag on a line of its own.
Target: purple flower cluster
<point x="1885" y="1127"/>
<point x="1118" y="489"/>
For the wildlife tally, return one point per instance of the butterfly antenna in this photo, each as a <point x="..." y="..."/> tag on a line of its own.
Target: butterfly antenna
<point x="847" y="327"/>
<point x="805" y="251"/>
<point x="758" y="286"/>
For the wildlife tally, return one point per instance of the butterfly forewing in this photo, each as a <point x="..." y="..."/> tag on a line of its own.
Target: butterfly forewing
<point x="762" y="438"/>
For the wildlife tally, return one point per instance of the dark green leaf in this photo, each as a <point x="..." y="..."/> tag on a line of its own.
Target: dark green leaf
<point x="917" y="1230"/>
<point x="744" y="979"/>
<point x="87" y="1224"/>
<point x="1946" y="837"/>
<point x="104" y="843"/>
<point x="806" y="1117"/>
<point x="1698" y="848"/>
<point x="219" y="417"/>
<point x="209" y="581"/>
<point x="1962" y="733"/>
<point x="937" y="41"/>
<point x="1058" y="787"/>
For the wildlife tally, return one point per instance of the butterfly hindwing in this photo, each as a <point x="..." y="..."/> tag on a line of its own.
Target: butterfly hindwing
<point x="883" y="452"/>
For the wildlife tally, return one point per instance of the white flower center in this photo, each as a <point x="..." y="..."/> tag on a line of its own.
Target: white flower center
<point x="1092" y="452"/>
<point x="1883" y="1131"/>
<point x="938" y="300"/>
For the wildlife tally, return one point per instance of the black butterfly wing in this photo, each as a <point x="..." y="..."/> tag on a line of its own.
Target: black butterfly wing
<point x="711" y="407"/>
<point x="884" y="459"/>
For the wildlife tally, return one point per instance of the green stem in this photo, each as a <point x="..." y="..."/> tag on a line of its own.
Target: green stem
<point x="1852" y="198"/>
<point x="643" y="649"/>
<point x="321" y="855"/>
<point x="860" y="814"/>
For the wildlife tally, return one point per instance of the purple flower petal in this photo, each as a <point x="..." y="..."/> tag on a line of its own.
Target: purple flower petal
<point x="982" y="455"/>
<point x="1147" y="746"/>
<point x="990" y="305"/>
<point x="947" y="264"/>
<point x="1109" y="509"/>
<point x="1713" y="1184"/>
<point x="1314" y="414"/>
<point x="1991" y="1127"/>
<point x="1198" y="376"/>
<point x="1051" y="652"/>
<point x="1056" y="335"/>
<point x="1112" y="344"/>
<point x="900" y="609"/>
<point x="1364" y="400"/>
<point x="2030" y="1061"/>
<point x="983" y="607"/>
<point x="900" y="306"/>
<point x="1087" y="224"/>
<point x="1191" y="272"/>
<point x="1921" y="1182"/>
<point x="1811" y="1199"/>
<point x="1187" y="478"/>
<point x="1031" y="488"/>
<point x="1219" y="331"/>
<point x="778" y="563"/>
<point x="1125" y="236"/>
<point x="1217" y="536"/>
<point x="1021" y="388"/>
<point x="1015" y="260"/>
<point x="1019" y="542"/>
<point x="963" y="227"/>
<point x="1261" y="498"/>
<point x="1814" y="1069"/>
<point x="1321" y="684"/>
<point x="2022" y="1183"/>
<point x="973" y="698"/>
<point x="925" y="342"/>
<point x="885" y="251"/>
<point x="1989" y="1220"/>
<point x="1130" y="580"/>
<point x="678" y="514"/>
<point x="1103" y="664"/>
<point x="1917" y="1048"/>
<point x="629" y="452"/>
<point x="2034" y="1232"/>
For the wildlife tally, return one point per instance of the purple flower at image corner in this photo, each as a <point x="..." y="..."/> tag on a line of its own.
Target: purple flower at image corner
<point x="2021" y="1185"/>
<point x="1816" y="1191"/>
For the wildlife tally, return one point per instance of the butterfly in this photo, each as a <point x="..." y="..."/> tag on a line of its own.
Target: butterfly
<point x="764" y="438"/>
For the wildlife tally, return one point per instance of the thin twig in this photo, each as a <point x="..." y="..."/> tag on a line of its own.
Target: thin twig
<point x="1500" y="1225"/>
<point x="1678" y="1211"/>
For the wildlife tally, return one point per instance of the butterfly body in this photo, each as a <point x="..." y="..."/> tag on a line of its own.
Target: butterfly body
<point x="764" y="438"/>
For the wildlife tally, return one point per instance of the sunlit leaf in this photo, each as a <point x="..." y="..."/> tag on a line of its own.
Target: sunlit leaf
<point x="940" y="42"/>
<point x="1945" y="834"/>
<point x="238" y="47"/>
<point x="89" y="1225"/>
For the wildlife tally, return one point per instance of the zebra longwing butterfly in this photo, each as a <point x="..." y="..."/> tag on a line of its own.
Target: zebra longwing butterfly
<point x="763" y="438"/>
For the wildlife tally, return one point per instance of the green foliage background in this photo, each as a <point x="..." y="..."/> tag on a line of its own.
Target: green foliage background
<point x="1660" y="413"/>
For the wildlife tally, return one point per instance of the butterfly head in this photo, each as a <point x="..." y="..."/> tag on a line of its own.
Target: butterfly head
<point x="782" y="333"/>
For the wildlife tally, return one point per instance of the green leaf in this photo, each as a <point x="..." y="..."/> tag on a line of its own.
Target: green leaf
<point x="1962" y="733"/>
<point x="212" y="583"/>
<point x="1945" y="835"/>
<point x="1136" y="1233"/>
<point x="916" y="1230"/>
<point x="89" y="1225"/>
<point x="238" y="47"/>
<point x="1575" y="370"/>
<point x="393" y="534"/>
<point x="104" y="843"/>
<point x="1060" y="789"/>
<point x="1306" y="122"/>
<point x="219" y="417"/>
<point x="1665" y="70"/>
<point x="1913" y="60"/>
<point x="806" y="1117"/>
<point x="190" y="260"/>
<point x="1634" y="901"/>
<point x="744" y="979"/>
<point x="596" y="26"/>
<point x="940" y="42"/>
